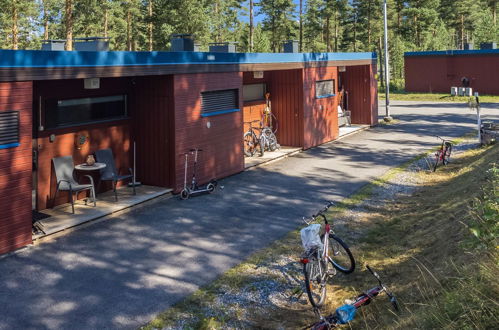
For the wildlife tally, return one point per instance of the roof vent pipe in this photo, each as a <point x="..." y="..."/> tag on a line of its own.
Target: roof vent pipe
<point x="52" y="44"/>
<point x="223" y="47"/>
<point x="488" y="45"/>
<point x="290" y="46"/>
<point x="91" y="44"/>
<point x="468" y="46"/>
<point x="182" y="43"/>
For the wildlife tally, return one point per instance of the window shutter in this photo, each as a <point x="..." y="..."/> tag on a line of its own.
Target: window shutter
<point x="9" y="128"/>
<point x="218" y="102"/>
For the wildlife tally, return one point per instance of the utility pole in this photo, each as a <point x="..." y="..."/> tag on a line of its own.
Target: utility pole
<point x="301" y="26"/>
<point x="387" y="68"/>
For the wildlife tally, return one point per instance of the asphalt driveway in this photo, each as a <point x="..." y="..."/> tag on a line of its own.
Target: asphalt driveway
<point x="120" y="273"/>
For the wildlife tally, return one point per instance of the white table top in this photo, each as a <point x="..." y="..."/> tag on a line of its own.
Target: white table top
<point x="85" y="167"/>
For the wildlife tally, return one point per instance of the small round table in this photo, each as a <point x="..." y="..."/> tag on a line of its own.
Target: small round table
<point x="94" y="167"/>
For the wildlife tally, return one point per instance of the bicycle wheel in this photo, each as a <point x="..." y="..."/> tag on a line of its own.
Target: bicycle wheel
<point x="447" y="152"/>
<point x="185" y="193"/>
<point x="315" y="282"/>
<point x="249" y="144"/>
<point x="340" y="255"/>
<point x="260" y="146"/>
<point x="270" y="139"/>
<point x="210" y="187"/>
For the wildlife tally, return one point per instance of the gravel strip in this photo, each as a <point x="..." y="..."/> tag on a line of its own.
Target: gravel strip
<point x="278" y="283"/>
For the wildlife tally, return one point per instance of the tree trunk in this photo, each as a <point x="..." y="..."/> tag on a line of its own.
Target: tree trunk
<point x="301" y="25"/>
<point x="218" y="35"/>
<point x="149" y="25"/>
<point x="494" y="12"/>
<point x="69" y="24"/>
<point x="355" y="35"/>
<point x="369" y="25"/>
<point x="45" y="20"/>
<point x="462" y="31"/>
<point x="106" y="22"/>
<point x="336" y="32"/>
<point x="251" y="26"/>
<point x="15" y="27"/>
<point x="129" y="30"/>
<point x="328" y="41"/>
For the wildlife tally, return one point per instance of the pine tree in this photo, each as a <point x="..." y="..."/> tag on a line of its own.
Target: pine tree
<point x="279" y="21"/>
<point x="313" y="26"/>
<point x="16" y="23"/>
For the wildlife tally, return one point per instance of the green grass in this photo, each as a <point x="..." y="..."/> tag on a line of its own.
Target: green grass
<point x="434" y="97"/>
<point x="425" y="246"/>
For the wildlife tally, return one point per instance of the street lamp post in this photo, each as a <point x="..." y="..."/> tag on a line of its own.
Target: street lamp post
<point x="387" y="69"/>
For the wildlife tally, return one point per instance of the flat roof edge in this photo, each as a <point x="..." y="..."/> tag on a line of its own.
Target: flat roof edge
<point x="55" y="59"/>
<point x="454" y="52"/>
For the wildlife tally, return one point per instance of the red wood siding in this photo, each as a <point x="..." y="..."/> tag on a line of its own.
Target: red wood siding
<point x="114" y="135"/>
<point x="222" y="142"/>
<point x="428" y="74"/>
<point x="360" y="83"/>
<point x="286" y="90"/>
<point x="320" y="115"/>
<point x="152" y="114"/>
<point x="15" y="171"/>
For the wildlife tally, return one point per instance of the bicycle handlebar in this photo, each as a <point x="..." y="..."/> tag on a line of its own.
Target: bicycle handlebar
<point x="321" y="212"/>
<point x="438" y="137"/>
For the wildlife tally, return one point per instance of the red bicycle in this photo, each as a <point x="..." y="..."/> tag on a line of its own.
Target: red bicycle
<point x="346" y="313"/>
<point x="443" y="153"/>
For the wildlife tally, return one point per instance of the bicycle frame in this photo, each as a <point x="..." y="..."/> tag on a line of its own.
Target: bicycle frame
<point x="443" y="152"/>
<point x="345" y="314"/>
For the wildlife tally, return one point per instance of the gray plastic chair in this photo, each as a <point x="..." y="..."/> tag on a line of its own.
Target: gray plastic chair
<point x="109" y="173"/>
<point x="64" y="169"/>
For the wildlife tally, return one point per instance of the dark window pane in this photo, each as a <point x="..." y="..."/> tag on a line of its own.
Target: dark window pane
<point x="254" y="92"/>
<point x="85" y="110"/>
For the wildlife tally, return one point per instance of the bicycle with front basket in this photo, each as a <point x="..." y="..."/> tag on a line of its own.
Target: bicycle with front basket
<point x="443" y="153"/>
<point x="346" y="312"/>
<point x="321" y="252"/>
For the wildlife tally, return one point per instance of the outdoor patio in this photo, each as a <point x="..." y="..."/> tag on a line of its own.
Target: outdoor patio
<point x="61" y="217"/>
<point x="269" y="156"/>
<point x="346" y="130"/>
<point x="287" y="151"/>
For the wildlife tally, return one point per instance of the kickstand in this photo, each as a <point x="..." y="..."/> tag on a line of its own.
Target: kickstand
<point x="317" y="312"/>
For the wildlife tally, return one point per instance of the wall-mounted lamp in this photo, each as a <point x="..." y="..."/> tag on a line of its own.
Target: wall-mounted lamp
<point x="91" y="83"/>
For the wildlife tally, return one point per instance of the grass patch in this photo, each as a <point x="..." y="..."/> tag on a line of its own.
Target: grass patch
<point x="436" y="97"/>
<point x="422" y="245"/>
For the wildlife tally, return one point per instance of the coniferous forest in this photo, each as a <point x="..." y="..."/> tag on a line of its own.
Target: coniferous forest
<point x="257" y="25"/>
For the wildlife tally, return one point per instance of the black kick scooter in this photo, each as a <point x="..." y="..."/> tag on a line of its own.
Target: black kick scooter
<point x="194" y="188"/>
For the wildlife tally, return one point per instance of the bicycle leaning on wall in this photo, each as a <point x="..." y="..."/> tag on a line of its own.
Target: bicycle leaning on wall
<point x="252" y="142"/>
